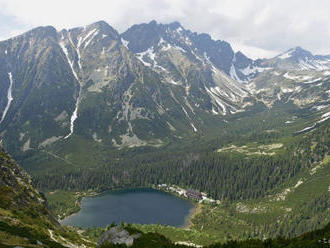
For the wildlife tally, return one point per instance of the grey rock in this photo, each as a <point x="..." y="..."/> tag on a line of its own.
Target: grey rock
<point x="117" y="235"/>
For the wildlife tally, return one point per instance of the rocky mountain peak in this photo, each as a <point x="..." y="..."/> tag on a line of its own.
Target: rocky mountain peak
<point x="103" y="28"/>
<point x="298" y="58"/>
<point x="39" y="33"/>
<point x="296" y="53"/>
<point x="106" y="87"/>
<point x="175" y="25"/>
<point x="142" y="36"/>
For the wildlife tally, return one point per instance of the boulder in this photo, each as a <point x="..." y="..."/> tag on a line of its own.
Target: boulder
<point x="117" y="235"/>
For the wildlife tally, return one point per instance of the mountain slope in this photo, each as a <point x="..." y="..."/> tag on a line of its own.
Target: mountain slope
<point x="182" y="57"/>
<point x="113" y="92"/>
<point x="24" y="217"/>
<point x="140" y="38"/>
<point x="296" y="76"/>
<point x="300" y="59"/>
<point x="32" y="69"/>
<point x="151" y="85"/>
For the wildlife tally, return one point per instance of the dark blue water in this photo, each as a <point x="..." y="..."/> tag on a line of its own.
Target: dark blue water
<point x="143" y="206"/>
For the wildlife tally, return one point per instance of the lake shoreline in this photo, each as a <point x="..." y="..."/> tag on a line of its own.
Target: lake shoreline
<point x="193" y="212"/>
<point x="194" y="209"/>
<point x="80" y="195"/>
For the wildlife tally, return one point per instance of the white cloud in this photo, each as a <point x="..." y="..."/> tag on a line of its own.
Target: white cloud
<point x="258" y="27"/>
<point x="253" y="52"/>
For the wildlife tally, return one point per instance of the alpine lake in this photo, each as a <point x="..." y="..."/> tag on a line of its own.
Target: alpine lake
<point x="142" y="206"/>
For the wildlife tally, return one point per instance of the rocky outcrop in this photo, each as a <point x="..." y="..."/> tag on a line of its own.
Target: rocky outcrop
<point x="117" y="235"/>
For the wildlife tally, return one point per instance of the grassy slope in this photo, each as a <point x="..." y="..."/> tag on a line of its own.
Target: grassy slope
<point x="315" y="239"/>
<point x="24" y="217"/>
<point x="63" y="203"/>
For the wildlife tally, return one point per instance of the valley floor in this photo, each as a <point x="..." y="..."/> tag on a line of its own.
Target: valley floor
<point x="302" y="205"/>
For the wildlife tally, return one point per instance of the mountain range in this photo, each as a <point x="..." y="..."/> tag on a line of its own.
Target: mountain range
<point x="90" y="108"/>
<point x="152" y="83"/>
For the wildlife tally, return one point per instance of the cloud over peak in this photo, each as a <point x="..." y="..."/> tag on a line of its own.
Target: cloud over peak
<point x="259" y="28"/>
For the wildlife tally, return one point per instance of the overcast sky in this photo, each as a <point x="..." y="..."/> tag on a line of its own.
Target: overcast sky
<point x="259" y="28"/>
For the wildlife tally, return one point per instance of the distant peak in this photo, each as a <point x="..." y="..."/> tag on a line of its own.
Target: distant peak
<point x="301" y="50"/>
<point x="153" y="22"/>
<point x="295" y="52"/>
<point x="42" y="32"/>
<point x="100" y="24"/>
<point x="175" y="25"/>
<point x="104" y="28"/>
<point x="239" y="55"/>
<point x="298" y="48"/>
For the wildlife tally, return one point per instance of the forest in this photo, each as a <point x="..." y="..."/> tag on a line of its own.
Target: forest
<point x="223" y="175"/>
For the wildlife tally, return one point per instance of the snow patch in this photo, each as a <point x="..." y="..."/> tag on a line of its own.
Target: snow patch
<point x="326" y="115"/>
<point x="125" y="42"/>
<point x="194" y="128"/>
<point x="161" y="41"/>
<point x="254" y="69"/>
<point x="89" y="41"/>
<point x="314" y="64"/>
<point x="75" y="112"/>
<point x="167" y="47"/>
<point x="214" y="111"/>
<point x="312" y="81"/>
<point x="160" y="67"/>
<point x="285" y="55"/>
<point x="185" y="112"/>
<point x="180" y="49"/>
<point x="298" y="183"/>
<point x="149" y="53"/>
<point x="88" y="35"/>
<point x="286" y="75"/>
<point x="9" y="97"/>
<point x="287" y="90"/>
<point x="173" y="82"/>
<point x="179" y="29"/>
<point x="233" y="73"/>
<point x="74" y="116"/>
<point x="318" y="108"/>
<point x="217" y="100"/>
<point x="307" y="128"/>
<point x="228" y="84"/>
